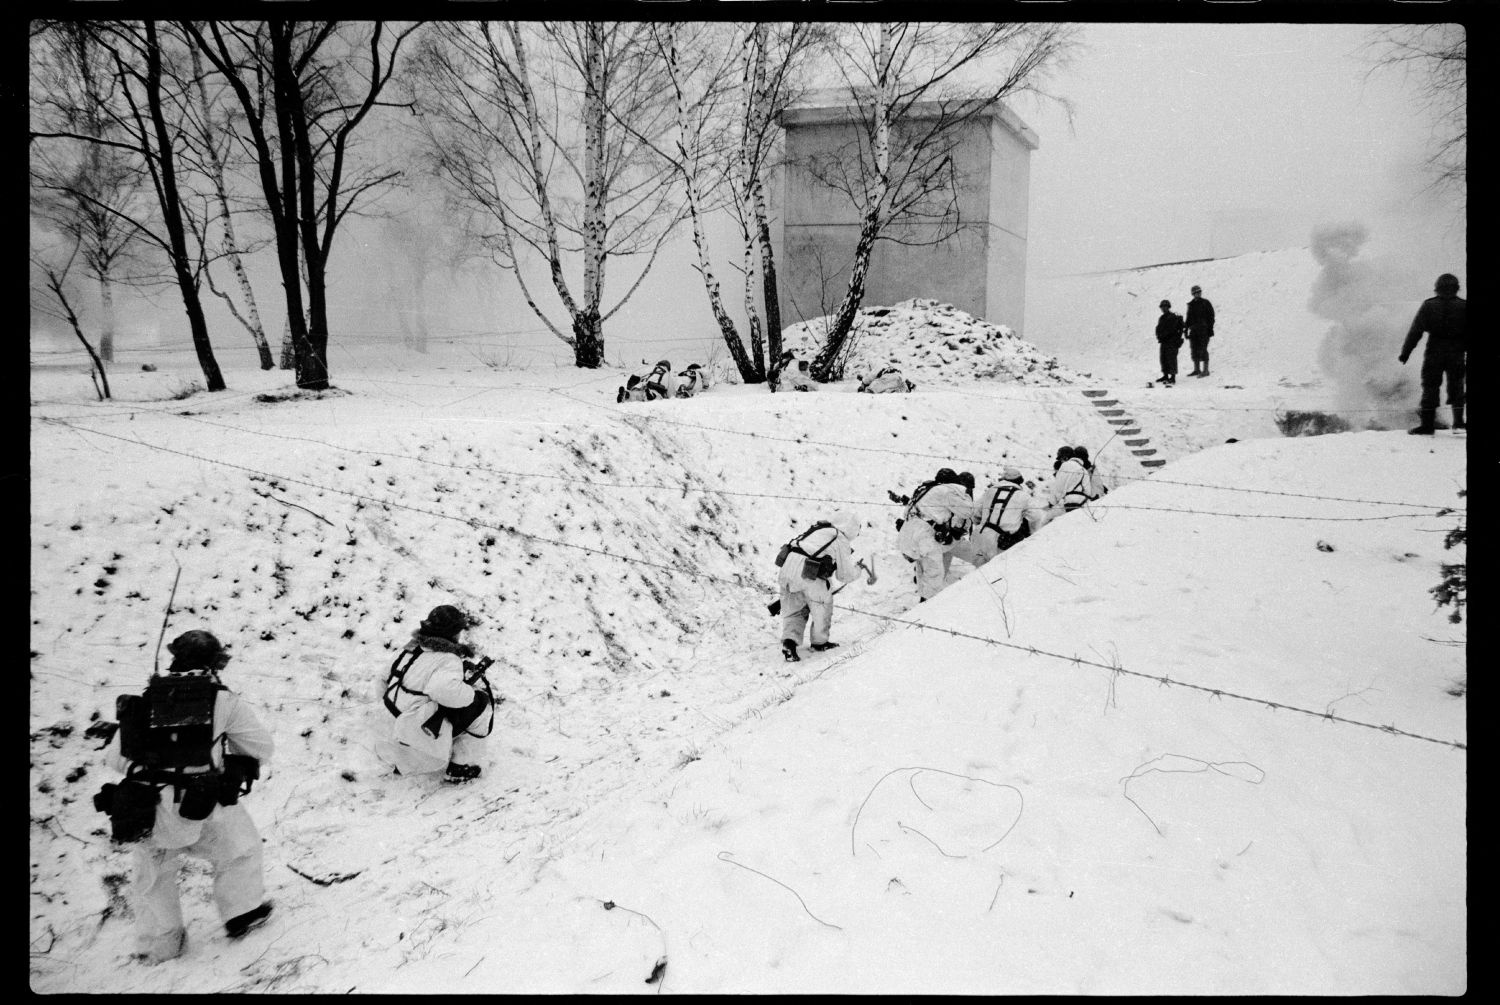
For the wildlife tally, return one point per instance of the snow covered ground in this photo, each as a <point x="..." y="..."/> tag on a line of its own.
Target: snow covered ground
<point x="1199" y="739"/>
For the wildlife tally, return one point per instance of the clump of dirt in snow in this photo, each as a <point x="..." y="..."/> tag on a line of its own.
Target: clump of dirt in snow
<point x="932" y="341"/>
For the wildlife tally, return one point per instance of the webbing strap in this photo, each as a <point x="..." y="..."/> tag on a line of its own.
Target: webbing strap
<point x="397" y="680"/>
<point x="991" y="519"/>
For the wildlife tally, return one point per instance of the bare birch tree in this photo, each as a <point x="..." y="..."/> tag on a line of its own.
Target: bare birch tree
<point x="145" y="124"/>
<point x="55" y="267"/>
<point x="524" y="127"/>
<point x="86" y="189"/>
<point x="304" y="88"/>
<point x="721" y="148"/>
<point x="1437" y="56"/>
<point x="916" y="87"/>
<point x="212" y="138"/>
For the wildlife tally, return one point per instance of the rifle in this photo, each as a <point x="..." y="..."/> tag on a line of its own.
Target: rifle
<point x="775" y="606"/>
<point x="463" y="718"/>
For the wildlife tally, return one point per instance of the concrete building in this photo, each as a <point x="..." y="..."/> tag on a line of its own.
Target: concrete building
<point x="980" y="269"/>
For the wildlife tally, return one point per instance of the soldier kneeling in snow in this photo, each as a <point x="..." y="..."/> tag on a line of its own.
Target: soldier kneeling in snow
<point x="189" y="748"/>
<point x="887" y="381"/>
<point x="439" y="696"/>
<point x="1004" y="518"/>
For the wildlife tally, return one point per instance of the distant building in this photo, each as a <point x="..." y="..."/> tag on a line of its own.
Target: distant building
<point x="981" y="269"/>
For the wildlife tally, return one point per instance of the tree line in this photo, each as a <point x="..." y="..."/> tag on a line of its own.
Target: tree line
<point x="163" y="153"/>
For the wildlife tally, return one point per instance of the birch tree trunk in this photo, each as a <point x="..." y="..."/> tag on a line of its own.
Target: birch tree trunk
<point x="107" y="308"/>
<point x="588" y="348"/>
<point x="687" y="162"/>
<point x="231" y="245"/>
<point x="872" y="222"/>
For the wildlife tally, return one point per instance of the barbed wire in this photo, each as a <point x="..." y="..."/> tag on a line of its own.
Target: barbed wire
<point x="1104" y="504"/>
<point x="740" y="583"/>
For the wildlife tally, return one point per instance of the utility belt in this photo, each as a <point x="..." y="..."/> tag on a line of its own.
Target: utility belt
<point x="131" y="804"/>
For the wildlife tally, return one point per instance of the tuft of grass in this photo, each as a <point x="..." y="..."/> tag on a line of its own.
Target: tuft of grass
<point x="1295" y="422"/>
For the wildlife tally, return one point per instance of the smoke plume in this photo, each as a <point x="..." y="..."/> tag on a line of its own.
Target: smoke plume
<point x="1360" y="296"/>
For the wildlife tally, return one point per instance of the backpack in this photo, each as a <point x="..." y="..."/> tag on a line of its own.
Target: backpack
<point x="818" y="566"/>
<point x="171" y="726"/>
<point x="164" y="731"/>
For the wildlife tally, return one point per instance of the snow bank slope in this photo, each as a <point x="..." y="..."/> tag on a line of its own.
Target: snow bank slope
<point x="649" y="727"/>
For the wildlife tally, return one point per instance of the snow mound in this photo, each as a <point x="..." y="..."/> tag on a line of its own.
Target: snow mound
<point x="933" y="341"/>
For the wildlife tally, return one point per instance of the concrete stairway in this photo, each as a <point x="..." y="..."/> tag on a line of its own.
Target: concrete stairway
<point x="1127" y="428"/>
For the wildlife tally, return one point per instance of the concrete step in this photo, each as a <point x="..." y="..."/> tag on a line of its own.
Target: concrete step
<point x="1130" y="432"/>
<point x="1120" y="422"/>
<point x="1112" y="411"/>
<point x="1138" y="443"/>
<point x="1144" y="453"/>
<point x="1153" y="462"/>
<point x="1105" y="402"/>
<point x="1094" y="394"/>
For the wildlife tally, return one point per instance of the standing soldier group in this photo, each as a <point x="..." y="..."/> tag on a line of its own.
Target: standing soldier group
<point x="1198" y="326"/>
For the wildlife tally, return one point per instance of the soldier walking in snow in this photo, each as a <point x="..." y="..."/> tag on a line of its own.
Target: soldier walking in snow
<point x="1169" y="339"/>
<point x="441" y="700"/>
<point x="937" y="516"/>
<point x="189" y="748"/>
<point x="1200" y="328"/>
<point x="1444" y="319"/>
<point x="808" y="564"/>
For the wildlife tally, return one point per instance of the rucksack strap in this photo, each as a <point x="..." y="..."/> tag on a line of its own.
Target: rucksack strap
<point x="916" y="497"/>
<point x="992" y="519"/>
<point x="396" y="682"/>
<point x="797" y="541"/>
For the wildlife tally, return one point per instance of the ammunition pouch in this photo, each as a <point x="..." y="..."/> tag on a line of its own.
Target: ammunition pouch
<point x="781" y="555"/>
<point x="131" y="808"/>
<point x="821" y="567"/>
<point x="238" y="777"/>
<point x="199" y="795"/>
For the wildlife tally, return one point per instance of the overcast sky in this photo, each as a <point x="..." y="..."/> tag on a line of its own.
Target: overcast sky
<point x="1202" y="140"/>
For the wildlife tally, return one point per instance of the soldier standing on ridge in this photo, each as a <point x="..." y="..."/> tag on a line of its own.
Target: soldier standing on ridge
<point x="1200" y="328"/>
<point x="1169" y="336"/>
<point x="1445" y="320"/>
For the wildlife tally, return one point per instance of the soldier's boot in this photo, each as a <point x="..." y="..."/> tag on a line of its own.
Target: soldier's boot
<point x="1425" y="426"/>
<point x="1458" y="417"/>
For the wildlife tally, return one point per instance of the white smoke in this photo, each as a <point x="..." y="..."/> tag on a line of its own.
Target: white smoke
<point x="1362" y="297"/>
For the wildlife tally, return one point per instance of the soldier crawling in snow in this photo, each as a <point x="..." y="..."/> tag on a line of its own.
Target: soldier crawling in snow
<point x="660" y="382"/>
<point x="189" y="748"/>
<point x="938" y="514"/>
<point x="790" y="374"/>
<point x="887" y="381"/>
<point x="441" y="700"/>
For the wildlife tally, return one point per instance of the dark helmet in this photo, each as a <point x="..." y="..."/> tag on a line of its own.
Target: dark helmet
<point x="1446" y="283"/>
<point x="946" y="476"/>
<point x="1082" y="453"/>
<point x="1196" y="289"/>
<point x="966" y="479"/>
<point x="1063" y="453"/>
<point x="445" y="621"/>
<point x="197" y="650"/>
<point x="1167" y="304"/>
